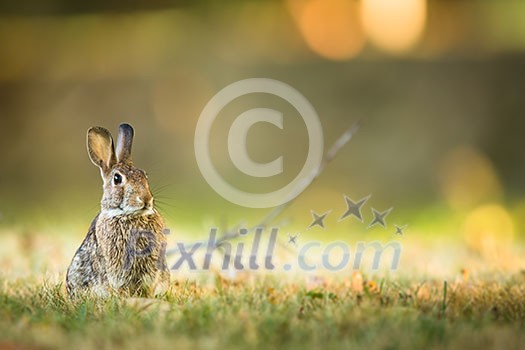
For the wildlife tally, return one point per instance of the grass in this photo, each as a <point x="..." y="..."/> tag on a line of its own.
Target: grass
<point x="269" y="313"/>
<point x="428" y="304"/>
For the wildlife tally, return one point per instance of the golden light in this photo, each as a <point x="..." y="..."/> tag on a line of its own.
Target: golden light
<point x="468" y="178"/>
<point x="489" y="231"/>
<point x="394" y="26"/>
<point x="332" y="28"/>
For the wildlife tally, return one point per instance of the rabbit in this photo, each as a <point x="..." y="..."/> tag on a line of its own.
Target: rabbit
<point x="124" y="250"/>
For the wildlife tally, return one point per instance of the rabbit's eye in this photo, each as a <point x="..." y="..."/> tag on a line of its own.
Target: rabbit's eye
<point x="117" y="179"/>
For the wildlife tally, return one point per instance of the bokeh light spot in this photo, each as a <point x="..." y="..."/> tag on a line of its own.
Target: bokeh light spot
<point x="332" y="28"/>
<point x="489" y="230"/>
<point x="467" y="178"/>
<point x="394" y="26"/>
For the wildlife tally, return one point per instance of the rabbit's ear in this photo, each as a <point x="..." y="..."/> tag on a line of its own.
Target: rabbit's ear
<point x="124" y="142"/>
<point x="100" y="148"/>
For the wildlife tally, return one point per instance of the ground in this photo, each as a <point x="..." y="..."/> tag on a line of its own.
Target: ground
<point x="268" y="313"/>
<point x="445" y="295"/>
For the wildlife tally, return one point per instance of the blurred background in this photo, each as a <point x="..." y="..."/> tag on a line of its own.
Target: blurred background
<point x="438" y="84"/>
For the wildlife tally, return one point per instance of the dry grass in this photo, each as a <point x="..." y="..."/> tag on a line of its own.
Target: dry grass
<point x="272" y="314"/>
<point x="358" y="311"/>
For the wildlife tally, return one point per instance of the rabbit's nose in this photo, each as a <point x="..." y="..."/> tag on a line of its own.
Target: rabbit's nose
<point x="147" y="201"/>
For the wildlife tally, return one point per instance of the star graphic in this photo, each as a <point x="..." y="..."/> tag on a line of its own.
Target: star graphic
<point x="318" y="219"/>
<point x="399" y="229"/>
<point x="354" y="208"/>
<point x="379" y="217"/>
<point x="292" y="239"/>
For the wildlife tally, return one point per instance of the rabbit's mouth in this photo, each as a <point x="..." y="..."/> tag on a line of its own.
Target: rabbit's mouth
<point x="131" y="211"/>
<point x="143" y="207"/>
<point x="145" y="211"/>
<point x="141" y="211"/>
<point x="138" y="207"/>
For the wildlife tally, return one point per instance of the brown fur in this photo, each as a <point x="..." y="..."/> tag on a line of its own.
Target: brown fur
<point x="124" y="250"/>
